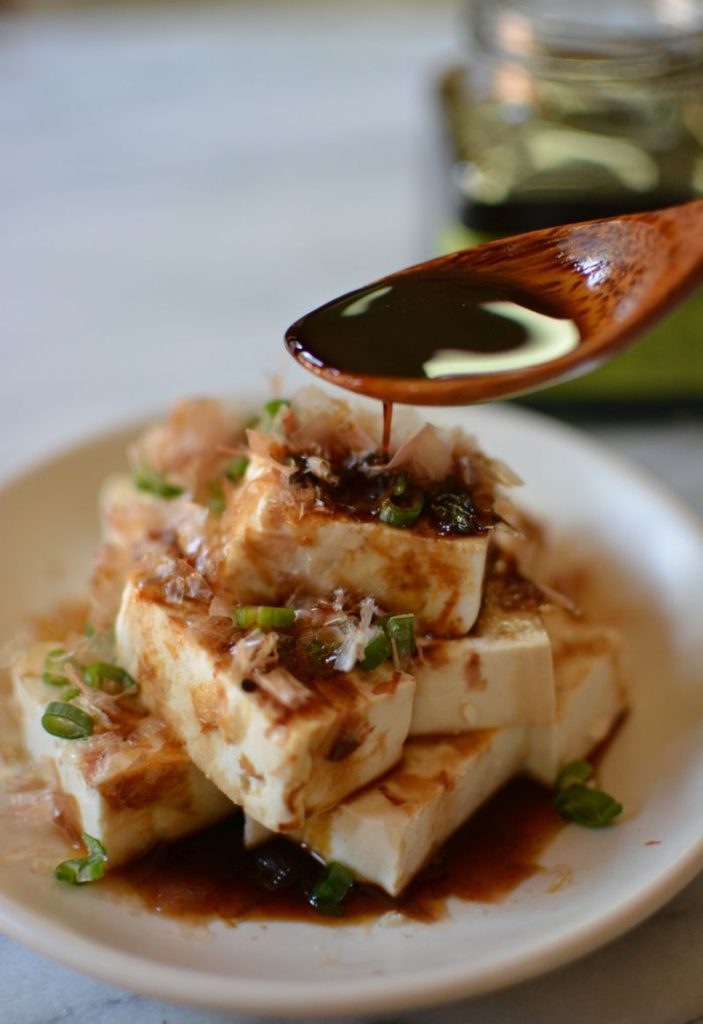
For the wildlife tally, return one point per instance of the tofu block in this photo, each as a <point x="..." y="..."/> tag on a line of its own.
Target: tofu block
<point x="131" y="786"/>
<point x="131" y="518"/>
<point x="273" y="543"/>
<point x="499" y="675"/>
<point x="280" y="748"/>
<point x="127" y="515"/>
<point x="589" y="696"/>
<point x="390" y="830"/>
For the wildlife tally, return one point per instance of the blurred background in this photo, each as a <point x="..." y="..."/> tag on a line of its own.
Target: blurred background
<point x="181" y="181"/>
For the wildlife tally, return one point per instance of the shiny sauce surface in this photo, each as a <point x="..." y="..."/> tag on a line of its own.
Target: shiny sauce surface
<point x="430" y="326"/>
<point x="210" y="875"/>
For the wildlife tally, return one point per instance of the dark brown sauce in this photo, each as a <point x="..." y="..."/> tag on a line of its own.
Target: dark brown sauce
<point x="428" y="326"/>
<point x="355" y="493"/>
<point x="210" y="875"/>
<point x="387" y="423"/>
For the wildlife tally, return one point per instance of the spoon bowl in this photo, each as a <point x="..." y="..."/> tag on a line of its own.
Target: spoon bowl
<point x="613" y="279"/>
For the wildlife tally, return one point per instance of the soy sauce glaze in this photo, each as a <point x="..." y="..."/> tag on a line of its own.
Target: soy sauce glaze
<point x="210" y="875"/>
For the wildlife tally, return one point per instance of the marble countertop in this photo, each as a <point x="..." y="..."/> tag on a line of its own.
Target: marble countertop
<point x="179" y="184"/>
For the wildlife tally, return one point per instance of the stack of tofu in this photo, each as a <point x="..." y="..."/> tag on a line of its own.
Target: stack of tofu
<point x="374" y="766"/>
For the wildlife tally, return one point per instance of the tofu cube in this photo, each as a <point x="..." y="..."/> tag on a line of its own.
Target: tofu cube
<point x="280" y="748"/>
<point x="131" y="787"/>
<point x="589" y="696"/>
<point x="388" y="832"/>
<point x="127" y="515"/>
<point x="499" y="675"/>
<point x="273" y="543"/>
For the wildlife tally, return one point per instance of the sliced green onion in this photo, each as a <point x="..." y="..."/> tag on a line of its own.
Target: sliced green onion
<point x="574" y="771"/>
<point x="401" y="515"/>
<point x="236" y="468"/>
<point x="454" y="513"/>
<point x="327" y="896"/>
<point x="80" y="870"/>
<point x="96" y="673"/>
<point x="400" y="630"/>
<point x="54" y="679"/>
<point x="248" y="615"/>
<point x="54" y="662"/>
<point x="153" y="482"/>
<point x="586" y="805"/>
<point x="89" y="630"/>
<point x="268" y="415"/>
<point x="396" y="631"/>
<point x="67" y="721"/>
<point x="70" y="693"/>
<point x="377" y="651"/>
<point x="272" y="407"/>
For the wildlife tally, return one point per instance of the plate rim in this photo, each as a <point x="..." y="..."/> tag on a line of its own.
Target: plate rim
<point x="371" y="994"/>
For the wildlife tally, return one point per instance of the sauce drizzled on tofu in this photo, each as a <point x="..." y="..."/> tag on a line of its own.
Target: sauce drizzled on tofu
<point x="353" y="492"/>
<point x="210" y="875"/>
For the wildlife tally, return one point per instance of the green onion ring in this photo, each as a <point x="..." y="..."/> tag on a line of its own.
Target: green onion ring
<point x="376" y="652"/>
<point x="328" y="894"/>
<point x="80" y="870"/>
<point x="66" y="721"/>
<point x="401" y="515"/>
<point x="99" y="670"/>
<point x="400" y="630"/>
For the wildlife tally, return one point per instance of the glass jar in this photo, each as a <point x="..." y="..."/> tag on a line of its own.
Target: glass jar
<point x="570" y="111"/>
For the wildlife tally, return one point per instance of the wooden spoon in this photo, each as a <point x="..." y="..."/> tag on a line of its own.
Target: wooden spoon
<point x="613" y="278"/>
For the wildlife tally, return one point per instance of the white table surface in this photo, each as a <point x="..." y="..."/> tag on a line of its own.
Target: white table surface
<point x="176" y="186"/>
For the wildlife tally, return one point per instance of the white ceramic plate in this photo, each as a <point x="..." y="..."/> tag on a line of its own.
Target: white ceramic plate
<point x="617" y="876"/>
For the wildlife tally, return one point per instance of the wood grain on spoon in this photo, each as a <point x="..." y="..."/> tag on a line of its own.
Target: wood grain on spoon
<point x="613" y="278"/>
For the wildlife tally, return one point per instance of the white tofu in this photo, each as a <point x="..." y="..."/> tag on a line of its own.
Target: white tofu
<point x="130" y="518"/>
<point x="127" y="515"/>
<point x="281" y="749"/>
<point x="273" y="543"/>
<point x="499" y="675"/>
<point x="390" y="830"/>
<point x="387" y="832"/>
<point x="127" y="791"/>
<point x="589" y="694"/>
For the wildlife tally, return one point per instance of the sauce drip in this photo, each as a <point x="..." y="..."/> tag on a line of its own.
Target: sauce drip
<point x="426" y="326"/>
<point x="387" y="423"/>
<point x="210" y="875"/>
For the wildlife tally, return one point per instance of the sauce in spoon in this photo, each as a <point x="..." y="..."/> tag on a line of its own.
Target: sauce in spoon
<point x="506" y="317"/>
<point x="431" y="327"/>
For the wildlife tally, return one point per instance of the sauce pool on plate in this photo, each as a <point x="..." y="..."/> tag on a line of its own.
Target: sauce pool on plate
<point x="210" y="874"/>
